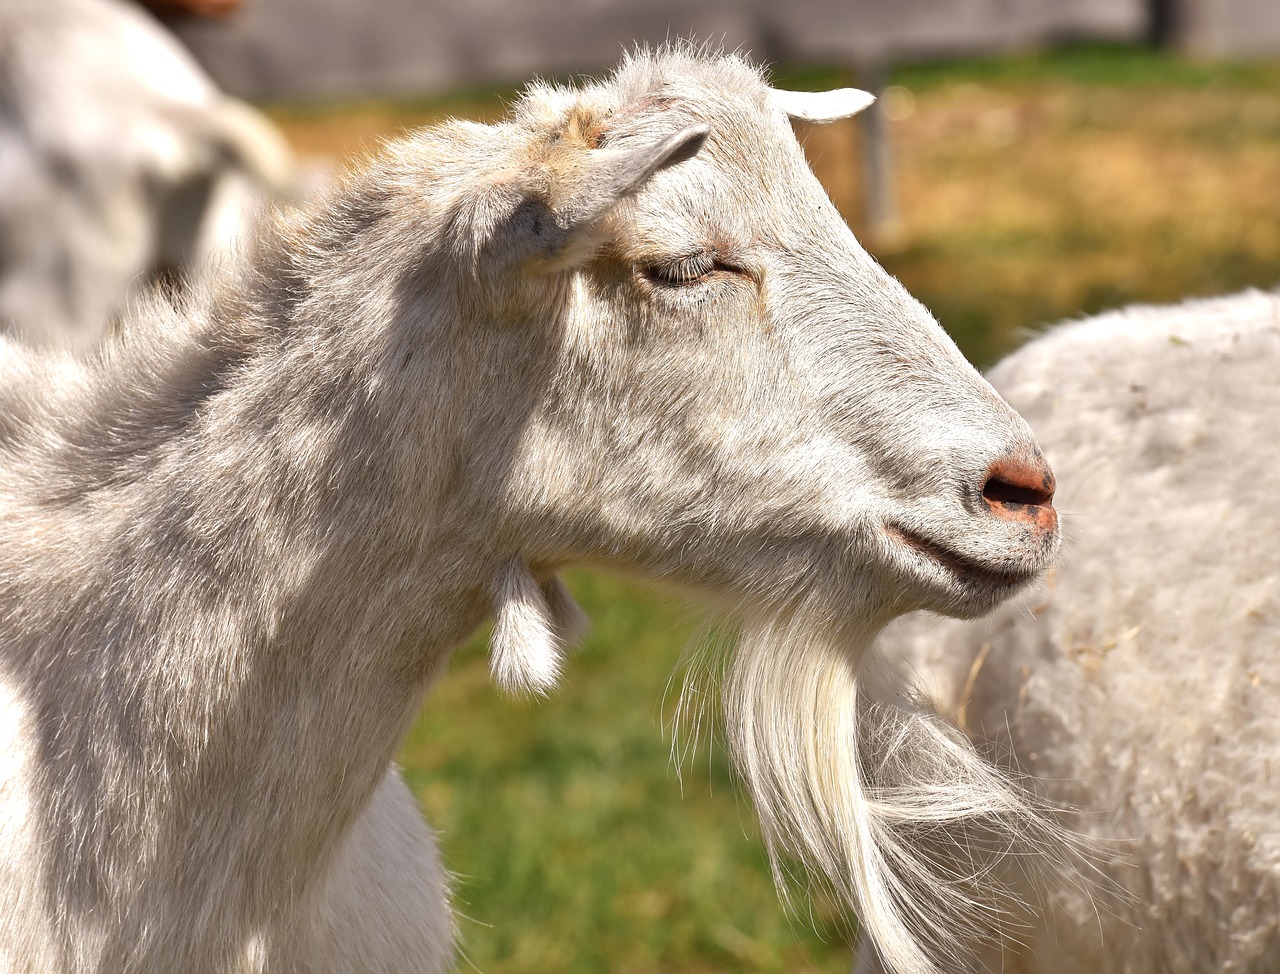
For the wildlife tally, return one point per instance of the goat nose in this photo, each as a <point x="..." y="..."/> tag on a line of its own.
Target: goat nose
<point x="1022" y="492"/>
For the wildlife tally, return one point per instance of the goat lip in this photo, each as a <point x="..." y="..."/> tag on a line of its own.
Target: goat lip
<point x="957" y="565"/>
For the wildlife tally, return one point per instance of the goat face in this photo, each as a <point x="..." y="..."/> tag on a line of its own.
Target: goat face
<point x="673" y="357"/>
<point x="738" y="395"/>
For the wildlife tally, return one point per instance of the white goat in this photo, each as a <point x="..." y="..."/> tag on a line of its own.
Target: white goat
<point x="118" y="157"/>
<point x="1142" y="685"/>
<point x="624" y="327"/>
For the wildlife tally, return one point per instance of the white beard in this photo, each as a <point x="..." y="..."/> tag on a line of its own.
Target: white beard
<point x="881" y="799"/>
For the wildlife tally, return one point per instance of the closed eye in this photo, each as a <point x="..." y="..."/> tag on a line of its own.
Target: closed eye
<point x="690" y="269"/>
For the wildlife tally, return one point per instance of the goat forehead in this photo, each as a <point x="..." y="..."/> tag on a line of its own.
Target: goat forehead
<point x="749" y="184"/>
<point x="745" y="130"/>
<point x="687" y="76"/>
<point x="654" y="93"/>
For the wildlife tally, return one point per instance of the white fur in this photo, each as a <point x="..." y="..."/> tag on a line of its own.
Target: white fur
<point x="1141" y="684"/>
<point x="526" y="645"/>
<point x="118" y="157"/>
<point x="623" y="327"/>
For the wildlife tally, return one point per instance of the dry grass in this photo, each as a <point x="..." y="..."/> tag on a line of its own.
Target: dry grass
<point x="1025" y="203"/>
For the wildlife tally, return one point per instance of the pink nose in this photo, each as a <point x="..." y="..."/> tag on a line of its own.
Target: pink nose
<point x="1021" y="492"/>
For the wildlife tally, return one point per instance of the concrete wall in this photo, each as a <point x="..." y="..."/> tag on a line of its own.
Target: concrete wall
<point x="1227" y="28"/>
<point x="895" y="29"/>
<point x="282" y="48"/>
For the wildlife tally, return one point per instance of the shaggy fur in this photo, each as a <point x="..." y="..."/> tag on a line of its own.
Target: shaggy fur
<point x="623" y="327"/>
<point x="1141" y="684"/>
<point x="119" y="158"/>
<point x="936" y="848"/>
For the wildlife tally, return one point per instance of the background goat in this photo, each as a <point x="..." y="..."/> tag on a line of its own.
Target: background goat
<point x="120" y="159"/>
<point x="1140" y="685"/>
<point x="624" y="327"/>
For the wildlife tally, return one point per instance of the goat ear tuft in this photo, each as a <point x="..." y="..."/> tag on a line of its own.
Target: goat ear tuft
<point x="820" y="106"/>
<point x="530" y="626"/>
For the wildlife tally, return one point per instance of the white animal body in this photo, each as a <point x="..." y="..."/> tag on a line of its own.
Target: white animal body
<point x="1141" y="684"/>
<point x="118" y="157"/>
<point x="623" y="327"/>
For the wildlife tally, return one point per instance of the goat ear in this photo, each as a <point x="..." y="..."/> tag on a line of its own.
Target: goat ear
<point x="614" y="174"/>
<point x="560" y="234"/>
<point x="532" y="625"/>
<point x="820" y="106"/>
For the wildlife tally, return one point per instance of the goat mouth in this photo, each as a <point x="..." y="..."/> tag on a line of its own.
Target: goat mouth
<point x="957" y="565"/>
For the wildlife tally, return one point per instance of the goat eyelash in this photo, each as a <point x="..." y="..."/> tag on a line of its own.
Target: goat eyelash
<point x="676" y="272"/>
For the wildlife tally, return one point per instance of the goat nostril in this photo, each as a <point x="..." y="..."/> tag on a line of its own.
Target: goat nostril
<point x="998" y="491"/>
<point x="1021" y="491"/>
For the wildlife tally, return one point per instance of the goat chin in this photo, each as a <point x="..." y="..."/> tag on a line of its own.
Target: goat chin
<point x="910" y="826"/>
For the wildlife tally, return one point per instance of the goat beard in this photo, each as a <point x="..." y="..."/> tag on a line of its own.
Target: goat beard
<point x="880" y="799"/>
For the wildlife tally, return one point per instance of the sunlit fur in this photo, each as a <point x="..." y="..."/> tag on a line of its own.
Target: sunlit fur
<point x="879" y="798"/>
<point x="1140" y="684"/>
<point x="238" y="545"/>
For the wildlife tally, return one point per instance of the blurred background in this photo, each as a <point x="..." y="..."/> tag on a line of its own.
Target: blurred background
<point x="1028" y="161"/>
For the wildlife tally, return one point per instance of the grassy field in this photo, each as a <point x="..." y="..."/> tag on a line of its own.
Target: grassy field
<point x="1031" y="189"/>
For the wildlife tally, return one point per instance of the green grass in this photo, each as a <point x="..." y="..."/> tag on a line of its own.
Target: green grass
<point x="1032" y="188"/>
<point x="577" y="846"/>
